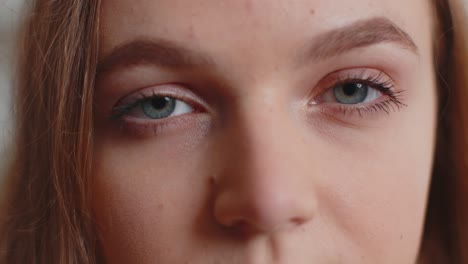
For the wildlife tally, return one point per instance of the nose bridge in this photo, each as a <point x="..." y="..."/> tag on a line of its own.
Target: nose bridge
<point x="267" y="128"/>
<point x="264" y="183"/>
<point x="266" y="139"/>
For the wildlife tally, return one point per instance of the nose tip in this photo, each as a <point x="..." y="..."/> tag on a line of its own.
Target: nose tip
<point x="265" y="183"/>
<point x="263" y="210"/>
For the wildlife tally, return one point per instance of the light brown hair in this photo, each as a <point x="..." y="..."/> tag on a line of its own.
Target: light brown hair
<point x="47" y="217"/>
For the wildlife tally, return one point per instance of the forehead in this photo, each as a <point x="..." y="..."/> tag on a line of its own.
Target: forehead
<point x="260" y="27"/>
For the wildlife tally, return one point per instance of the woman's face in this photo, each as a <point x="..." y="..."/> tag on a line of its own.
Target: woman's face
<point x="260" y="131"/>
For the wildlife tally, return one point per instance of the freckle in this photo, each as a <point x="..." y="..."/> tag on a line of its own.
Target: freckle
<point x="312" y="11"/>
<point x="160" y="207"/>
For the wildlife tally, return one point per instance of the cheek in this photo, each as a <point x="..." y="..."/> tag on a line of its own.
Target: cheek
<point x="376" y="189"/>
<point x="377" y="201"/>
<point x="147" y="195"/>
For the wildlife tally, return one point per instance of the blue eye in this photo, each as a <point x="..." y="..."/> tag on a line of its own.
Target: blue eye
<point x="154" y="107"/>
<point x="158" y="107"/>
<point x="351" y="93"/>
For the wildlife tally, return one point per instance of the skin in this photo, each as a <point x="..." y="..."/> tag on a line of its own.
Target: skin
<point x="258" y="174"/>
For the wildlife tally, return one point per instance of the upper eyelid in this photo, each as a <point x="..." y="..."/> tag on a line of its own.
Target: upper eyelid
<point x="371" y="82"/>
<point x="351" y="74"/>
<point x="358" y="74"/>
<point x="171" y="90"/>
<point x="119" y="111"/>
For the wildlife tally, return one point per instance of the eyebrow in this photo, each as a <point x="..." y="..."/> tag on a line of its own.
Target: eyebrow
<point x="168" y="54"/>
<point x="360" y="34"/>
<point x="160" y="52"/>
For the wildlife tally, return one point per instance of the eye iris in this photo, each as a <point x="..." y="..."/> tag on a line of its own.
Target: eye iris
<point x="351" y="93"/>
<point x="158" y="107"/>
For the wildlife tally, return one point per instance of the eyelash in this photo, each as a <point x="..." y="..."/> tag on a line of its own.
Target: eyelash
<point x="122" y="112"/>
<point x="378" y="81"/>
<point x="125" y="109"/>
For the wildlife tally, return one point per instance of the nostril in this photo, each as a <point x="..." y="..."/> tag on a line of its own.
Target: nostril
<point x="245" y="227"/>
<point x="255" y="213"/>
<point x="237" y="224"/>
<point x="239" y="228"/>
<point x="298" y="221"/>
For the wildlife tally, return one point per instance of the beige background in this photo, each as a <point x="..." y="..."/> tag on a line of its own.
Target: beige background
<point x="9" y="13"/>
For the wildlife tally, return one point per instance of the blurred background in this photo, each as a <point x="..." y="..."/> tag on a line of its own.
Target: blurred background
<point x="9" y="13"/>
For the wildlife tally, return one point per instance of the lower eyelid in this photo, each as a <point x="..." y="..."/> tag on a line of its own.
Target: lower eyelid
<point x="138" y="127"/>
<point x="385" y="105"/>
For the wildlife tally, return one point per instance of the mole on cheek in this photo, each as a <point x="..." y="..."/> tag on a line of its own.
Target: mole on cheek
<point x="312" y="11"/>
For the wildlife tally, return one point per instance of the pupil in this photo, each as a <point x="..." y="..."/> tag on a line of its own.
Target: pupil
<point x="159" y="102"/>
<point x="350" y="89"/>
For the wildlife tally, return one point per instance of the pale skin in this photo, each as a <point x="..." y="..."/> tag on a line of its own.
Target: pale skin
<point x="259" y="162"/>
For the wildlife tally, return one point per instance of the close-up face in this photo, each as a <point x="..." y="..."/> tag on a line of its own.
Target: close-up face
<point x="263" y="131"/>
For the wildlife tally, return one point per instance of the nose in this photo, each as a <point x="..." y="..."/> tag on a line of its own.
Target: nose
<point x="267" y="184"/>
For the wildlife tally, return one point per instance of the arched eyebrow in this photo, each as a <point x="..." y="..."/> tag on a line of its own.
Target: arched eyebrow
<point x="168" y="54"/>
<point x="360" y="34"/>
